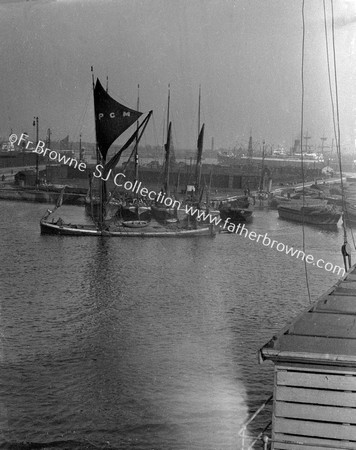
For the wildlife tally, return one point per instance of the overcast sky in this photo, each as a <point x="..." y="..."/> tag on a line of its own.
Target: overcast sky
<point x="245" y="54"/>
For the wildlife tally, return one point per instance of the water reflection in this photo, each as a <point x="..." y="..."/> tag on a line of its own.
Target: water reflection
<point x="144" y="343"/>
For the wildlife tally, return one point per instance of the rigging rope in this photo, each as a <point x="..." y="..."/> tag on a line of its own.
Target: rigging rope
<point x="301" y="146"/>
<point x="79" y="127"/>
<point x="345" y="249"/>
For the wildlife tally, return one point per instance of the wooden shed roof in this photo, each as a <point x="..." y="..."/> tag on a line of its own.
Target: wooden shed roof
<point x="323" y="334"/>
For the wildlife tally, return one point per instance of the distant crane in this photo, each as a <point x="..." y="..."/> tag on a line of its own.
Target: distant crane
<point x="323" y="139"/>
<point x="306" y="137"/>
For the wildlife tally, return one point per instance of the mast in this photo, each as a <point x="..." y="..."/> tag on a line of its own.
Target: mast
<point x="209" y="189"/>
<point x="199" y="109"/>
<point x="178" y="180"/>
<point x="169" y="101"/>
<point x="99" y="160"/>
<point x="137" y="125"/>
<point x="199" y="158"/>
<point x="199" y="149"/>
<point x="96" y="128"/>
<point x="35" y="124"/>
<point x="80" y="147"/>
<point x="111" y="120"/>
<point x="167" y="147"/>
<point x="49" y="138"/>
<point x="167" y="160"/>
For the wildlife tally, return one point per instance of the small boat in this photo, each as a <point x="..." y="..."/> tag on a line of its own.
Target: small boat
<point x="313" y="214"/>
<point x="238" y="201"/>
<point x="164" y="214"/>
<point x="236" y="215"/>
<point x="237" y="210"/>
<point x="131" y="210"/>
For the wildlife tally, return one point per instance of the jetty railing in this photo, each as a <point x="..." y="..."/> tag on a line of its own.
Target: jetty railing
<point x="245" y="439"/>
<point x="248" y="442"/>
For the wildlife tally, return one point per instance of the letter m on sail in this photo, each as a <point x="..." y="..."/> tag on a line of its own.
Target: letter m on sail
<point x="111" y="118"/>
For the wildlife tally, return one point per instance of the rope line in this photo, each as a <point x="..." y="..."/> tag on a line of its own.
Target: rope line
<point x="301" y="146"/>
<point x="345" y="249"/>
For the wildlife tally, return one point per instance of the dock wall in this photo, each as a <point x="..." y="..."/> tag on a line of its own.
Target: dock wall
<point x="231" y="178"/>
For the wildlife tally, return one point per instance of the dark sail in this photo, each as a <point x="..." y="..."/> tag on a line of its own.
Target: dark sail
<point x="199" y="158"/>
<point x="136" y="136"/>
<point x="111" y="118"/>
<point x="167" y="148"/>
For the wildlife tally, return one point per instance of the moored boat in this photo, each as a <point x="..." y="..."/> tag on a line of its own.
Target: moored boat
<point x="164" y="214"/>
<point x="281" y="200"/>
<point x="153" y="229"/>
<point x="237" y="210"/>
<point x="111" y="120"/>
<point x="40" y="195"/>
<point x="236" y="215"/>
<point x="133" y="210"/>
<point x="313" y="215"/>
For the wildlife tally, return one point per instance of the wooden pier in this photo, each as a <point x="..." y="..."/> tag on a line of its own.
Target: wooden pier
<point x="314" y="404"/>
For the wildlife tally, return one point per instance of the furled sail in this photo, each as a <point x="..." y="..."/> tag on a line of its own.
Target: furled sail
<point x="199" y="158"/>
<point x="167" y="147"/>
<point x="111" y="118"/>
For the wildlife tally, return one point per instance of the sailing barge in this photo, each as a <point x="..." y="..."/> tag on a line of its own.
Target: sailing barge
<point x="310" y="214"/>
<point x="133" y="229"/>
<point x="111" y="120"/>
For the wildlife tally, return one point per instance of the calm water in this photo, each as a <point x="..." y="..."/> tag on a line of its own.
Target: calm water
<point x="142" y="343"/>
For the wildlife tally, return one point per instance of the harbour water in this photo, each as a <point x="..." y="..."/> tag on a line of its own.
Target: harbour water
<point x="143" y="343"/>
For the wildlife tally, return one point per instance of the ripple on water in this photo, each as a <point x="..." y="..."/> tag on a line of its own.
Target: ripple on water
<point x="142" y="343"/>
